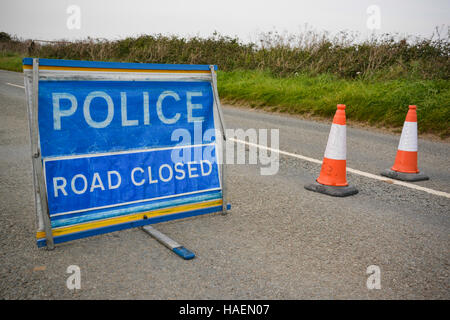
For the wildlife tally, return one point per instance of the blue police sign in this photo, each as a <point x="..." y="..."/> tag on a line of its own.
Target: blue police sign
<point x="122" y="145"/>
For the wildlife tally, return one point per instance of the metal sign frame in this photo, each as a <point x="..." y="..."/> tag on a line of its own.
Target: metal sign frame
<point x="223" y="128"/>
<point x="39" y="181"/>
<point x="43" y="220"/>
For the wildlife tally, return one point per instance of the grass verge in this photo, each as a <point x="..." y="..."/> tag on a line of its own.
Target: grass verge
<point x="374" y="102"/>
<point x="11" y="62"/>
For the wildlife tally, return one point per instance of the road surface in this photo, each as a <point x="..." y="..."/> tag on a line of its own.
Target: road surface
<point x="280" y="241"/>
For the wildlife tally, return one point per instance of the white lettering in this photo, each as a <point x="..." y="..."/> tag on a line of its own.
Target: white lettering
<point x="74" y="189"/>
<point x="87" y="111"/>
<point x="61" y="187"/>
<point x="146" y="109"/>
<point x="159" y="107"/>
<point x="191" y="106"/>
<point x="202" y="168"/>
<point x="192" y="169"/>
<point x="123" y="106"/>
<point x="119" y="180"/>
<point x="149" y="169"/>
<point x="170" y="173"/>
<point x="183" y="174"/>
<point x="132" y="176"/>
<point x="58" y="113"/>
<point x="96" y="182"/>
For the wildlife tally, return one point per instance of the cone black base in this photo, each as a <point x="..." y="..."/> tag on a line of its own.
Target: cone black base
<point x="404" y="176"/>
<point x="332" y="190"/>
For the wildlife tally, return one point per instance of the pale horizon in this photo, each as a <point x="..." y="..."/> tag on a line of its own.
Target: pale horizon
<point x="48" y="20"/>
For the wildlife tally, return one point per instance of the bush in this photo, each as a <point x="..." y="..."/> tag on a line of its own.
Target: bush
<point x="383" y="57"/>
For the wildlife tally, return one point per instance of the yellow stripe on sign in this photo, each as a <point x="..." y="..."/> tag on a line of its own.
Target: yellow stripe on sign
<point x="28" y="67"/>
<point x="129" y="218"/>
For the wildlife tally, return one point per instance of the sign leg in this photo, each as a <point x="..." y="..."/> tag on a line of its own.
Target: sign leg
<point x="223" y="129"/>
<point x="37" y="159"/>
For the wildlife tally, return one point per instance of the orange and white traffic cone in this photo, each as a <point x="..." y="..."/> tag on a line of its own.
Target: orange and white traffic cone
<point x="333" y="175"/>
<point x="405" y="165"/>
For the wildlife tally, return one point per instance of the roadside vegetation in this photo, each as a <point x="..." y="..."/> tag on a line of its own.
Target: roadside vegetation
<point x="307" y="73"/>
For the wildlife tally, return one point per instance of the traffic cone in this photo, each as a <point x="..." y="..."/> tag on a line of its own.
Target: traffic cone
<point x="333" y="175"/>
<point x="405" y="165"/>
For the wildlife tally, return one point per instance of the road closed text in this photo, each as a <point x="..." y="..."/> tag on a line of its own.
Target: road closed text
<point x="80" y="183"/>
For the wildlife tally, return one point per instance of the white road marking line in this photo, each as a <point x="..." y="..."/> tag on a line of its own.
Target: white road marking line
<point x="15" y="85"/>
<point x="355" y="171"/>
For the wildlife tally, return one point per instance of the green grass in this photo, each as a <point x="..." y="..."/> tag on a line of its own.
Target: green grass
<point x="11" y="62"/>
<point x="375" y="102"/>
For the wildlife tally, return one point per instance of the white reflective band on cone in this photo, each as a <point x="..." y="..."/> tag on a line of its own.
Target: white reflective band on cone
<point x="408" y="139"/>
<point x="337" y="143"/>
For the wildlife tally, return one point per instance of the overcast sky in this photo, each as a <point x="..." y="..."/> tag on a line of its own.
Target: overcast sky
<point x="113" y="19"/>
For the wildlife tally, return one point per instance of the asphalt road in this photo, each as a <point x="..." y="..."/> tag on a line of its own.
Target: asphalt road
<point x="280" y="241"/>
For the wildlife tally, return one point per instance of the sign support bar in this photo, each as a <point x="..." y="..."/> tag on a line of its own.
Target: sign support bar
<point x="169" y="243"/>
